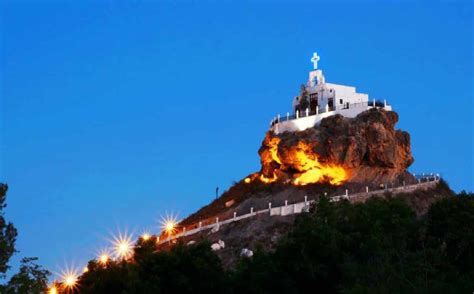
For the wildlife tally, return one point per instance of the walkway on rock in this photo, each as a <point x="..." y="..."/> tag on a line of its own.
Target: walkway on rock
<point x="425" y="182"/>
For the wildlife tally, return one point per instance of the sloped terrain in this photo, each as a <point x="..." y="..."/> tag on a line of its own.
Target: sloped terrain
<point x="264" y="231"/>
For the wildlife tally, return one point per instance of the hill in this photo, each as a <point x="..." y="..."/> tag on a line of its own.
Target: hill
<point x="377" y="246"/>
<point x="361" y="157"/>
<point x="338" y="154"/>
<point x="333" y="207"/>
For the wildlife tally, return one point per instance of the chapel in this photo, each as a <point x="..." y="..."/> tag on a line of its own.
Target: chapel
<point x="319" y="99"/>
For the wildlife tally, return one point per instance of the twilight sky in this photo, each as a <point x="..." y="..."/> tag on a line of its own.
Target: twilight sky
<point x="113" y="114"/>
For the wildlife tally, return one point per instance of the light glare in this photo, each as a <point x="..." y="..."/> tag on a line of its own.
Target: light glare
<point x="53" y="290"/>
<point x="123" y="246"/>
<point x="103" y="258"/>
<point x="69" y="278"/>
<point x="169" y="224"/>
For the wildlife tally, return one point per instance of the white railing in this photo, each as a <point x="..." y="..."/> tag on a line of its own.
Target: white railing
<point x="318" y="111"/>
<point x="289" y="209"/>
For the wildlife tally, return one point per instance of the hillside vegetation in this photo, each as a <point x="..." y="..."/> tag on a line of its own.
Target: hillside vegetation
<point x="380" y="246"/>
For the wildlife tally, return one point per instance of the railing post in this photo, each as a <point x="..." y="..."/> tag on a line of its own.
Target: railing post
<point x="200" y="225"/>
<point x="235" y="215"/>
<point x="278" y="118"/>
<point x="269" y="208"/>
<point x="366" y="189"/>
<point x="347" y="193"/>
<point x="287" y="116"/>
<point x="317" y="110"/>
<point x="217" y="220"/>
<point x="327" y="108"/>
<point x="251" y="210"/>
<point x="305" y="200"/>
<point x="297" y="114"/>
<point x="374" y="103"/>
<point x="307" y="111"/>
<point x="384" y="103"/>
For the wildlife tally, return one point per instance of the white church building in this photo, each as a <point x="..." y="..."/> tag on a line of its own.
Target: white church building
<point x="319" y="99"/>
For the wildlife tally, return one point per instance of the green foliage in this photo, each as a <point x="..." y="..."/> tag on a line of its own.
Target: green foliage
<point x="8" y="234"/>
<point x="303" y="99"/>
<point x="183" y="269"/>
<point x="114" y="277"/>
<point x="380" y="246"/>
<point x="31" y="278"/>
<point x="450" y="229"/>
<point x="376" y="247"/>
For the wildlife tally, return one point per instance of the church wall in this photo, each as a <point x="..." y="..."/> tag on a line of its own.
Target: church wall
<point x="345" y="89"/>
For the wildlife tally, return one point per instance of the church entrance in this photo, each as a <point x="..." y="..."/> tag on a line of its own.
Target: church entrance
<point x="313" y="103"/>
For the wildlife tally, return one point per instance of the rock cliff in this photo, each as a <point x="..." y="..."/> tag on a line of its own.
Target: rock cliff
<point x="363" y="149"/>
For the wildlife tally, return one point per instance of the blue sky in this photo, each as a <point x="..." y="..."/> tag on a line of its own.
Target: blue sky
<point x="113" y="114"/>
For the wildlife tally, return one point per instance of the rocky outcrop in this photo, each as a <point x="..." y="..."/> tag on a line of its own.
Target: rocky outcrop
<point x="367" y="148"/>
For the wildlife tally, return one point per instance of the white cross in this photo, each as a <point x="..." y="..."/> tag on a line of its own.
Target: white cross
<point x="315" y="60"/>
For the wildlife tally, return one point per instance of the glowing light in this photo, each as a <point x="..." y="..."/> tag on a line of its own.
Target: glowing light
<point x="85" y="270"/>
<point x="123" y="246"/>
<point x="146" y="236"/>
<point x="169" y="225"/>
<point x="313" y="170"/>
<point x="268" y="180"/>
<point x="251" y="178"/>
<point x="303" y="158"/>
<point x="103" y="258"/>
<point x="274" y="149"/>
<point x="53" y="290"/>
<point x="69" y="279"/>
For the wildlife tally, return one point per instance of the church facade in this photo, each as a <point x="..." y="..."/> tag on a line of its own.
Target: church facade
<point x="319" y="99"/>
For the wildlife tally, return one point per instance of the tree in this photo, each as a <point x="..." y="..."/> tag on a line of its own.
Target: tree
<point x="380" y="246"/>
<point x="303" y="99"/>
<point x="375" y="247"/>
<point x="31" y="278"/>
<point x="8" y="234"/>
<point x="182" y="269"/>
<point x="449" y="229"/>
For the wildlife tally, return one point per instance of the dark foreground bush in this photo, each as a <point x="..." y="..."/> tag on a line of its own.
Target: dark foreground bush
<point x="380" y="246"/>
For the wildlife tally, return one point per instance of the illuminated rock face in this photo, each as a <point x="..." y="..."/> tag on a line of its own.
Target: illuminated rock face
<point x="366" y="148"/>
